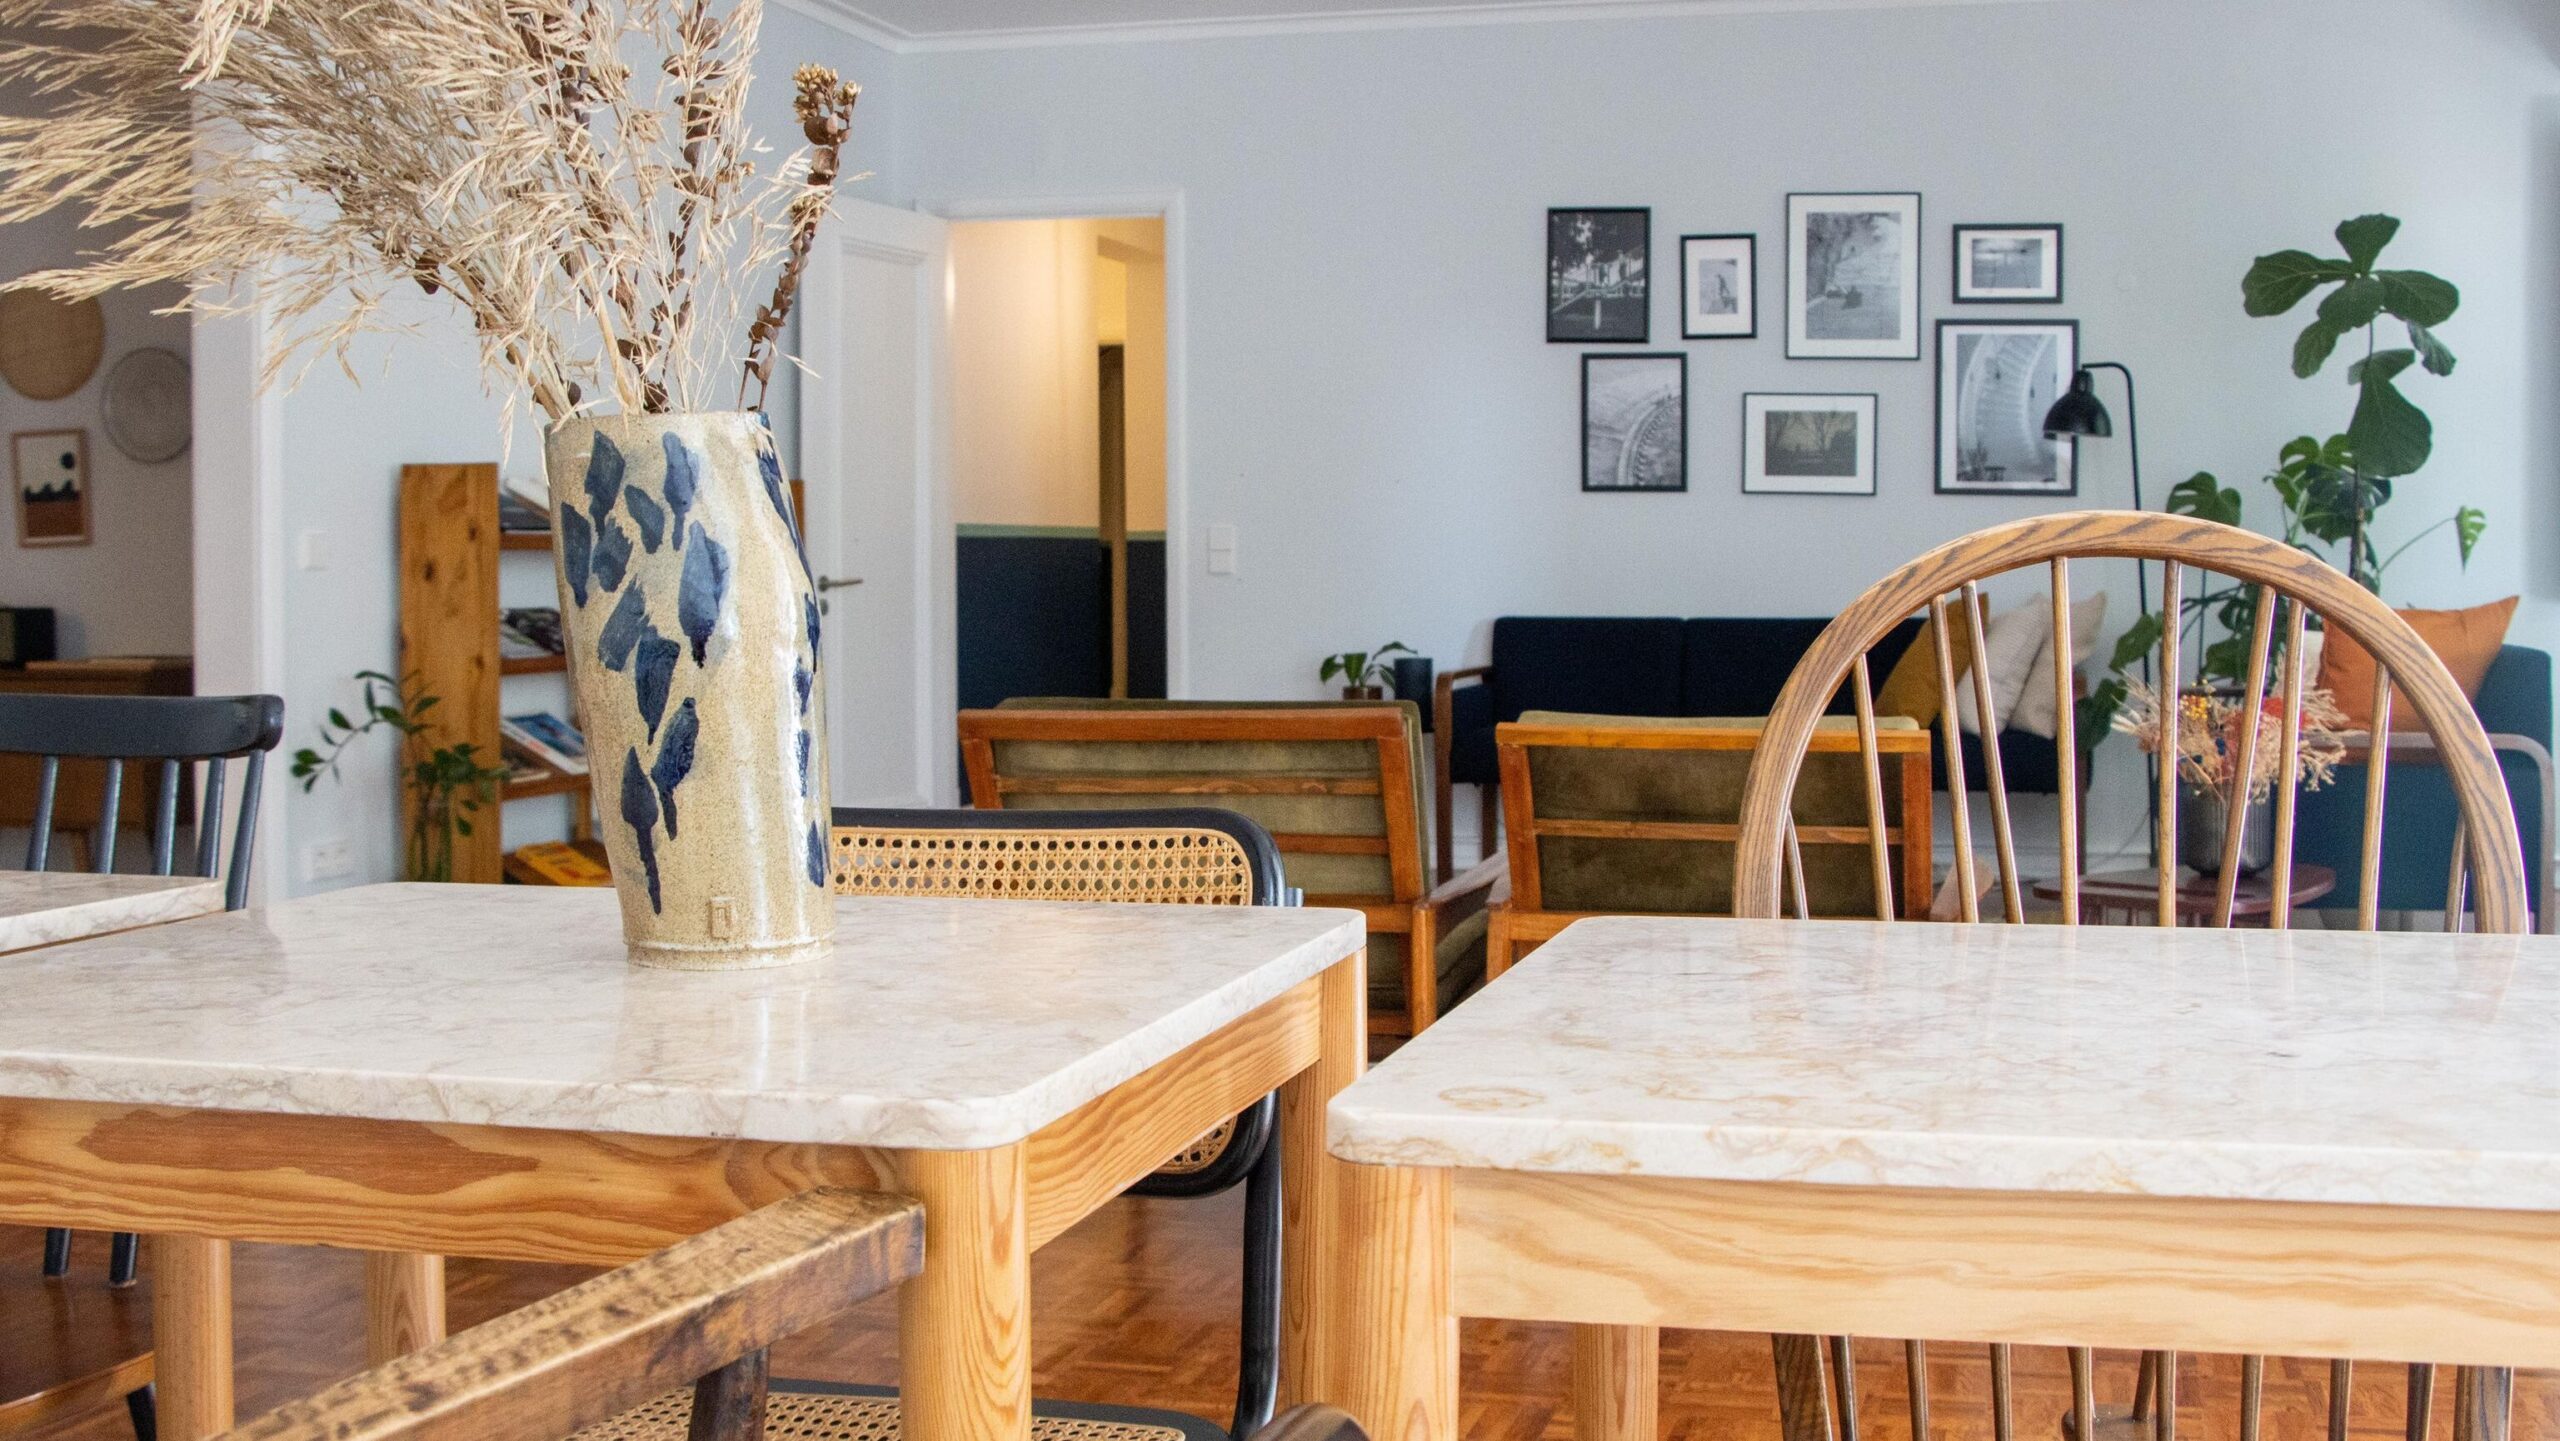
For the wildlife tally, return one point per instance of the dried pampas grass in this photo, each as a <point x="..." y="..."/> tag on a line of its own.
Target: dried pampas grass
<point x="602" y="230"/>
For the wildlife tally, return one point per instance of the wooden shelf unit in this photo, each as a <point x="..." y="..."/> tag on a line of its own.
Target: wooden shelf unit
<point x="450" y="556"/>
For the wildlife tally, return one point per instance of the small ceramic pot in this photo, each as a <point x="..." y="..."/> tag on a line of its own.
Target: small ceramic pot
<point x="692" y="631"/>
<point x="2201" y="815"/>
<point x="1363" y="692"/>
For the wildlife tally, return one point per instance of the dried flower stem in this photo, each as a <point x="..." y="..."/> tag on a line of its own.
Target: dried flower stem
<point x="824" y="104"/>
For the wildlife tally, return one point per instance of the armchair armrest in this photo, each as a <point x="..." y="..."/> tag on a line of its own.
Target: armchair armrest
<point x="703" y="1310"/>
<point x="1480" y="885"/>
<point x="1444" y="741"/>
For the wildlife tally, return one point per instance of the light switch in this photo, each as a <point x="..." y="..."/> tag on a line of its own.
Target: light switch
<point x="311" y="549"/>
<point x="1222" y="549"/>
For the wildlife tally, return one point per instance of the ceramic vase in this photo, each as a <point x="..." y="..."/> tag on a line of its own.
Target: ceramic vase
<point x="692" y="632"/>
<point x="2202" y="817"/>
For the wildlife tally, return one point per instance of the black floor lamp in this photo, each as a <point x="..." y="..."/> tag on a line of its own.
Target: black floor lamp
<point x="2080" y="413"/>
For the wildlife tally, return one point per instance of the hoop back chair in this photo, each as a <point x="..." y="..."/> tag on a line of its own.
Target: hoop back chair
<point x="2485" y="879"/>
<point x="1179" y="856"/>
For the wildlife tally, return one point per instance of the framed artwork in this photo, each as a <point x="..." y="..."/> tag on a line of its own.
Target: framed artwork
<point x="51" y="469"/>
<point x="1808" y="444"/>
<point x="1853" y="276"/>
<point x="1996" y="380"/>
<point x="1599" y="288"/>
<point x="2008" y="264"/>
<point x="1719" y="287"/>
<point x="1635" y="422"/>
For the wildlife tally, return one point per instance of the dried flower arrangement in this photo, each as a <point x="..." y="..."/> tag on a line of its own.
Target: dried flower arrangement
<point x="2209" y="736"/>
<point x="603" y="231"/>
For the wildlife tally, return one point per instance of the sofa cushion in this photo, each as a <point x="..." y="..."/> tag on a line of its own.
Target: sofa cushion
<point x="2029" y="764"/>
<point x="1617" y="665"/>
<point x="1735" y="666"/>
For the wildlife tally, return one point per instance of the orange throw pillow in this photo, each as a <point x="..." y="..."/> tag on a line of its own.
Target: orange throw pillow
<point x="2466" y="640"/>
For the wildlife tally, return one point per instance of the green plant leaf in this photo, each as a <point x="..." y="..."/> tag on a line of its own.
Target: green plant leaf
<point x="2468" y="524"/>
<point x="2205" y="498"/>
<point x="2353" y="306"/>
<point x="2417" y="297"/>
<point x="2312" y="348"/>
<point x="2432" y="353"/>
<point x="2302" y="449"/>
<point x="2338" y="452"/>
<point x="2139" y="639"/>
<point x="2363" y="238"/>
<point x="2382" y="365"/>
<point x="338" y="718"/>
<point x="2094" y="715"/>
<point x="2227" y="658"/>
<point x="2276" y="283"/>
<point x="2391" y="436"/>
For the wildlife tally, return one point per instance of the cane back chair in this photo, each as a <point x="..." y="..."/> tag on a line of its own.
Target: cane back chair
<point x="2485" y="874"/>
<point x="1182" y="856"/>
<point x="80" y="746"/>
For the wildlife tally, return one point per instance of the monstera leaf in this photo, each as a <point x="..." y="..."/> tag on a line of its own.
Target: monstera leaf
<point x="2205" y="498"/>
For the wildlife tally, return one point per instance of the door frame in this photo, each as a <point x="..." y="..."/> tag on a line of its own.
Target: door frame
<point x="1168" y="206"/>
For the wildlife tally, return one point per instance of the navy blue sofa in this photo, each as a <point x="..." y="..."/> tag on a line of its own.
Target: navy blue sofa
<point x="1653" y="666"/>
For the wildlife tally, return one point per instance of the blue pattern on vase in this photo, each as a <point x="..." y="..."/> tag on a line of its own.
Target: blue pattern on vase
<point x="809" y="616"/>
<point x="640" y="812"/>
<point x="647" y="514"/>
<point x="769" y="467"/>
<point x="683" y="483"/>
<point x="675" y="758"/>
<point x="623" y="629"/>
<point x="576" y="540"/>
<point x="804" y="760"/>
<point x="653" y="671"/>
<point x="613" y="553"/>
<point x="604" y="477"/>
<point x="817" y="857"/>
<point x="699" y="595"/>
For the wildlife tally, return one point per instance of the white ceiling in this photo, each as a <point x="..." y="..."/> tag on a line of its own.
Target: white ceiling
<point x="973" y="24"/>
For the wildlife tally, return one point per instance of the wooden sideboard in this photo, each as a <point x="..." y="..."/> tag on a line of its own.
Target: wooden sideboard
<point x="77" y="788"/>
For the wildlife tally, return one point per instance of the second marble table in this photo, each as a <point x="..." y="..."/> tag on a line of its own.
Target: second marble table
<point x="43" y="908"/>
<point x="2299" y="1143"/>
<point x="476" y="1070"/>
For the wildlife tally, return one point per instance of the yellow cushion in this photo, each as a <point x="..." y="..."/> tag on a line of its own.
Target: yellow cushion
<point x="2466" y="640"/>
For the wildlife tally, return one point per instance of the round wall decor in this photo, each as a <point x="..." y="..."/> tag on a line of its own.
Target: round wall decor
<point x="150" y="405"/>
<point x="48" y="347"/>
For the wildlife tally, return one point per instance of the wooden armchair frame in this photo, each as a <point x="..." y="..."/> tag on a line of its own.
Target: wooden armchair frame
<point x="1411" y="907"/>
<point x="1522" y="922"/>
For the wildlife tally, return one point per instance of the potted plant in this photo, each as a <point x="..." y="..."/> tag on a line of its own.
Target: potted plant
<point x="578" y="177"/>
<point x="2208" y="730"/>
<point x="447" y="785"/>
<point x="1364" y="673"/>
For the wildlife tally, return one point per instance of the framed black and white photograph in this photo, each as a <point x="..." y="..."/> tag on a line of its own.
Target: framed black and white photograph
<point x="1996" y="380"/>
<point x="1719" y="287"/>
<point x="1599" y="283"/>
<point x="2008" y="264"/>
<point x="1853" y="276"/>
<point x="1808" y="444"/>
<point x="1635" y="422"/>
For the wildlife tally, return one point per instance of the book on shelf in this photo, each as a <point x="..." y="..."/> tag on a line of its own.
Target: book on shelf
<point x="527" y="631"/>
<point x="556" y="863"/>
<point x="520" y="514"/>
<point x="548" y="739"/>
<point x="520" y="764"/>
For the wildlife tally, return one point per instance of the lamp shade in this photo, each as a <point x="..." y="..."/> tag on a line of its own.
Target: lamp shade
<point x="2079" y="411"/>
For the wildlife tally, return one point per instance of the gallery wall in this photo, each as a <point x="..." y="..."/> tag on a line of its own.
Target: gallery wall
<point x="1370" y="401"/>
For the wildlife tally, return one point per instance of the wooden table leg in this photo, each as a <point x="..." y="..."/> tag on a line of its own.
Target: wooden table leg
<point x="403" y="1304"/>
<point x="1309" y="1256"/>
<point x="191" y="1332"/>
<point x="1616" y="1382"/>
<point x="964" y="1324"/>
<point x="1396" y="1369"/>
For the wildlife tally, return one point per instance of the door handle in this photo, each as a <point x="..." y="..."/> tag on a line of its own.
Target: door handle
<point x="828" y="582"/>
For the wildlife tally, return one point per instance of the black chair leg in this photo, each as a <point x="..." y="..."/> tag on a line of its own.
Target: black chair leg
<point x="122" y="1255"/>
<point x="145" y="1412"/>
<point x="57" y="1251"/>
<point x="1258" y="1364"/>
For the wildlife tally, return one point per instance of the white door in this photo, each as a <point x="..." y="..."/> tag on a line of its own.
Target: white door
<point x="874" y="454"/>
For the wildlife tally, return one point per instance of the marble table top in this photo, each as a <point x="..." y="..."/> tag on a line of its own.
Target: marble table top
<point x="2304" y="1066"/>
<point x="948" y="1025"/>
<point x="41" y="908"/>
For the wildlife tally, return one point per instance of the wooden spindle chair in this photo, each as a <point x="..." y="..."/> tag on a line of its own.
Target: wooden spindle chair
<point x="1175" y="855"/>
<point x="2486" y="870"/>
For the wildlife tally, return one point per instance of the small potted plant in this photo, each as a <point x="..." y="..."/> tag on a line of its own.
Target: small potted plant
<point x="2209" y="724"/>
<point x="447" y="785"/>
<point x="1364" y="673"/>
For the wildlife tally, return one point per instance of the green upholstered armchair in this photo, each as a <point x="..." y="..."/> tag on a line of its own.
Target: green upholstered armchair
<point x="1612" y="815"/>
<point x="1340" y="786"/>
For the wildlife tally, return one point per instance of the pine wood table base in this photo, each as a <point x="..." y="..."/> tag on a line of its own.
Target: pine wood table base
<point x="195" y="1180"/>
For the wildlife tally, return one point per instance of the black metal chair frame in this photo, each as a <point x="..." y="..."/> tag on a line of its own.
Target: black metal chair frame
<point x="1251" y="1156"/>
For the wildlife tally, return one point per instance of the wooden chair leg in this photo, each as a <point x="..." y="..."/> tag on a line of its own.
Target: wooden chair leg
<point x="2481" y="1400"/>
<point x="57" y="1251"/>
<point x="2142" y="1382"/>
<point x="1844" y="1384"/>
<point x="1804" y="1402"/>
<point x="2421" y="1401"/>
<point x="1915" y="1368"/>
<point x="2342" y="1388"/>
<point x="1616" y="1386"/>
<point x="1497" y="943"/>
<point x="728" y="1404"/>
<point x="142" y="1409"/>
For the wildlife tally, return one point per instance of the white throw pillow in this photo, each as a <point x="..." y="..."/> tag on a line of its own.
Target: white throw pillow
<point x="2010" y="643"/>
<point x="2035" y="713"/>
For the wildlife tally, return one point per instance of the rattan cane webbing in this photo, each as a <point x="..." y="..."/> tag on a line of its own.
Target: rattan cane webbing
<point x="1186" y="867"/>
<point x="802" y="1416"/>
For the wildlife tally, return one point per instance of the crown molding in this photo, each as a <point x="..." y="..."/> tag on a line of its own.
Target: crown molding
<point x="848" y="16"/>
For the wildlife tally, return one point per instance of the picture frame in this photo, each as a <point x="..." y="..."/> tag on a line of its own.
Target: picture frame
<point x="2015" y="264"/>
<point x="1719" y="287"/>
<point x="50" y="471"/>
<point x="1798" y="444"/>
<point x="1599" y="275"/>
<point x="1635" y="422"/>
<point x="1853" y="275"/>
<point x="1996" y="380"/>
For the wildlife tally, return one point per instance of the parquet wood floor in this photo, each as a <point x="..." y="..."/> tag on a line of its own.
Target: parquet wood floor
<point x="1137" y="1306"/>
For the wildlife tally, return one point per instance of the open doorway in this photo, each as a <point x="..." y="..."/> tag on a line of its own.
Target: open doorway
<point x="1058" y="457"/>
